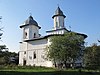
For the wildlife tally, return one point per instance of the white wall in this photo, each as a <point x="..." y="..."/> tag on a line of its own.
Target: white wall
<point x="57" y="32"/>
<point x="58" y="22"/>
<point x="38" y="46"/>
<point x="21" y="56"/>
<point x="30" y="30"/>
<point x="33" y="29"/>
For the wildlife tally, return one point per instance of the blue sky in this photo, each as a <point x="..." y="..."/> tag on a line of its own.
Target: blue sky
<point x="82" y="15"/>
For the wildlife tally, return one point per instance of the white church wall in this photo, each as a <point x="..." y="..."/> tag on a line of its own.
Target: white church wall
<point x="23" y="46"/>
<point x="25" y="31"/>
<point x="38" y="46"/>
<point x="30" y="58"/>
<point x="21" y="56"/>
<point x="22" y="52"/>
<point x="55" y="19"/>
<point x="61" y="21"/>
<point x="33" y="30"/>
<point x="30" y="32"/>
<point x="58" y="22"/>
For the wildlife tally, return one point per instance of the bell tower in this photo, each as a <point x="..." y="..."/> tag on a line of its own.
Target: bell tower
<point x="59" y="27"/>
<point x="58" y="19"/>
<point x="30" y="29"/>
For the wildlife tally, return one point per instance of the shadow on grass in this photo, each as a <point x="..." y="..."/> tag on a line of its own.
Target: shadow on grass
<point x="48" y="73"/>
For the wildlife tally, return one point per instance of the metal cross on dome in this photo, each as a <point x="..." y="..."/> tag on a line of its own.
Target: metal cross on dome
<point x="30" y="14"/>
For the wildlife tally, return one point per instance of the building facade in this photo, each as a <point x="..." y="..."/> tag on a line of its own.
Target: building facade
<point x="33" y="45"/>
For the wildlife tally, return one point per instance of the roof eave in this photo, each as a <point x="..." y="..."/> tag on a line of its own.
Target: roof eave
<point x="59" y="15"/>
<point x="57" y="29"/>
<point x="28" y="24"/>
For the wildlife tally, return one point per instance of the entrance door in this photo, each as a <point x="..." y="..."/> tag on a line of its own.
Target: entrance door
<point x="24" y="62"/>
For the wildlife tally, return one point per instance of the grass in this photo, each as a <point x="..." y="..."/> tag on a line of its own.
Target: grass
<point x="46" y="73"/>
<point x="43" y="71"/>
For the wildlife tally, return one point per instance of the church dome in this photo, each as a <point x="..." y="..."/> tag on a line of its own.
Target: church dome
<point x="30" y="21"/>
<point x="58" y="12"/>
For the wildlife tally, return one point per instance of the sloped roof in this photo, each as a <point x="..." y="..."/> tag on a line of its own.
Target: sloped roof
<point x="30" y="21"/>
<point x="58" y="12"/>
<point x="43" y="37"/>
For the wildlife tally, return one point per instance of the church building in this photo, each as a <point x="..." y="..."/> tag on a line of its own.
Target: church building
<point x="33" y="45"/>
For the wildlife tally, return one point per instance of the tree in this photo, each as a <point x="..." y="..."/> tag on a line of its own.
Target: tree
<point x="92" y="57"/>
<point x="7" y="57"/>
<point x="65" y="48"/>
<point x="3" y="54"/>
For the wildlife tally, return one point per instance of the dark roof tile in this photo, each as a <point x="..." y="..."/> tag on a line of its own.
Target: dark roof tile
<point x="30" y="21"/>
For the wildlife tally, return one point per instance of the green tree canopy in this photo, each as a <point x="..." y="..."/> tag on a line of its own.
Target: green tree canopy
<point x="92" y="57"/>
<point x="5" y="55"/>
<point x="66" y="47"/>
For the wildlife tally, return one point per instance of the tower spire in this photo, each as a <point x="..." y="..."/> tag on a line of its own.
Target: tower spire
<point x="58" y="12"/>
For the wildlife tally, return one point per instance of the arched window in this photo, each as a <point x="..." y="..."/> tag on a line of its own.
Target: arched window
<point x="34" y="35"/>
<point x="25" y="52"/>
<point x="24" y="62"/>
<point x="56" y="24"/>
<point x="34" y="55"/>
<point x="25" y="34"/>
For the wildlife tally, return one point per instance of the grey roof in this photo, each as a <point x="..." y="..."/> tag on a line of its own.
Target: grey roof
<point x="30" y="21"/>
<point x="58" y="12"/>
<point x="43" y="37"/>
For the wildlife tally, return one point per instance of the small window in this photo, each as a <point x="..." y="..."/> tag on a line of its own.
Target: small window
<point x="25" y="52"/>
<point x="34" y="35"/>
<point x="34" y="54"/>
<point x="25" y="34"/>
<point x="56" y="24"/>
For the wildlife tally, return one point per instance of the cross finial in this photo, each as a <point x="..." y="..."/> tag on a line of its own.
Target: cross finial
<point x="58" y="5"/>
<point x="30" y="14"/>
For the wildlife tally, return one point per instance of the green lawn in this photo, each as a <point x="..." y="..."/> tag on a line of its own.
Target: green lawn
<point x="45" y="72"/>
<point x="29" y="70"/>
